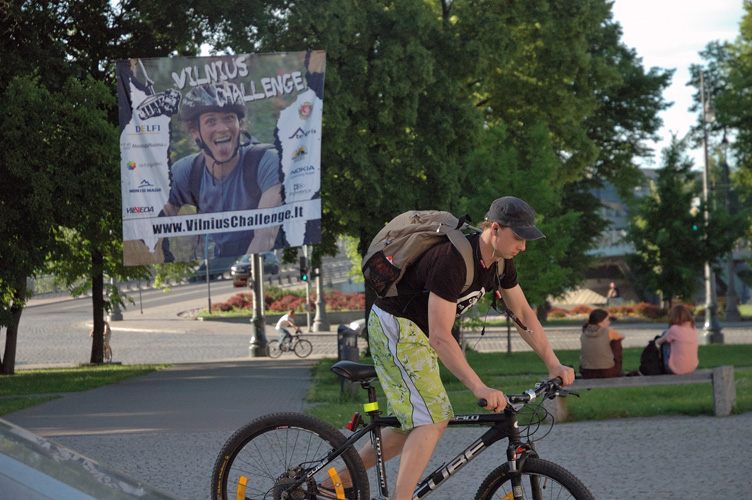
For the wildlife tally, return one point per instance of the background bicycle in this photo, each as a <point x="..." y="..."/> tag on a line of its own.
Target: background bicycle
<point x="290" y="455"/>
<point x="300" y="346"/>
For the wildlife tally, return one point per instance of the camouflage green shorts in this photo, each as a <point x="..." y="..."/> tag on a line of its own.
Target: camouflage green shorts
<point x="408" y="369"/>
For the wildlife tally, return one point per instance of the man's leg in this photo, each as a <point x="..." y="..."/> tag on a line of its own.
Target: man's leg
<point x="283" y="338"/>
<point x="416" y="453"/>
<point x="391" y="446"/>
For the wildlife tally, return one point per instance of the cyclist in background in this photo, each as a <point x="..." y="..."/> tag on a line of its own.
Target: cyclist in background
<point x="286" y="320"/>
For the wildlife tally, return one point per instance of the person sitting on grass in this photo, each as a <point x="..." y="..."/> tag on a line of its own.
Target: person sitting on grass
<point x="600" y="352"/>
<point x="678" y="344"/>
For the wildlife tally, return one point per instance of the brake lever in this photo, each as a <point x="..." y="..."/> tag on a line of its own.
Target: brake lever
<point x="563" y="393"/>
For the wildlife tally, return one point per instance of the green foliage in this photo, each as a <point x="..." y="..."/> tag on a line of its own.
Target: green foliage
<point x="61" y="187"/>
<point x="672" y="241"/>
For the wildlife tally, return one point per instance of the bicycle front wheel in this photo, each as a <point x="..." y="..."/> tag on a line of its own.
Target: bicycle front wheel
<point x="263" y="459"/>
<point x="541" y="479"/>
<point x="303" y="348"/>
<point x="273" y="350"/>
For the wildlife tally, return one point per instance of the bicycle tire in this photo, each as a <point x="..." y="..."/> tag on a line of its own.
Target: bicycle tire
<point x="269" y="450"/>
<point x="555" y="482"/>
<point x="273" y="350"/>
<point x="303" y="348"/>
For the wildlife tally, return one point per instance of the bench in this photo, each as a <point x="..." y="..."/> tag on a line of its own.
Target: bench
<point x="722" y="378"/>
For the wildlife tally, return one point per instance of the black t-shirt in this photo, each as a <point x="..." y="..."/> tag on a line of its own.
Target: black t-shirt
<point x="442" y="270"/>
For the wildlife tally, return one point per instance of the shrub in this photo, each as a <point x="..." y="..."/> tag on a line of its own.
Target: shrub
<point x="221" y="307"/>
<point x="650" y="311"/>
<point x="240" y="302"/>
<point x="335" y="301"/>
<point x="582" y="310"/>
<point x="557" y="313"/>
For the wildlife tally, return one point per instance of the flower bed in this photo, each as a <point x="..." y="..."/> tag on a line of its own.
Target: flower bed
<point x="283" y="302"/>
<point x="642" y="311"/>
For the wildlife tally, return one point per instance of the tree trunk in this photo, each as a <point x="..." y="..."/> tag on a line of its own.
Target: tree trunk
<point x="8" y="362"/>
<point x="97" y="300"/>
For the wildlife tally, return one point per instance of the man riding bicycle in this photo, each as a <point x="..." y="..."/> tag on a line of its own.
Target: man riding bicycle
<point x="409" y="333"/>
<point x="286" y="320"/>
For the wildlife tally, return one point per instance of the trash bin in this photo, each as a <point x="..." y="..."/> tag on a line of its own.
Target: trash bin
<point x="347" y="350"/>
<point x="347" y="344"/>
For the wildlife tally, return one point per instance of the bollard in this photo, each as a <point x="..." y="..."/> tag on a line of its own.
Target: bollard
<point x="347" y="350"/>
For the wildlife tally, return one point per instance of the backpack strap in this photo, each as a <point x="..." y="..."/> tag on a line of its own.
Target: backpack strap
<point x="194" y="179"/>
<point x="460" y="242"/>
<point x="251" y="161"/>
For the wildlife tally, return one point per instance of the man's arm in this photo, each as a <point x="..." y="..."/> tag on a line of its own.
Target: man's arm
<point x="263" y="239"/>
<point x="517" y="303"/>
<point x="441" y="314"/>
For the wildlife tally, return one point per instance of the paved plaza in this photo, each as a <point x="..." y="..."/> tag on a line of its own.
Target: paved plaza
<point x="166" y="428"/>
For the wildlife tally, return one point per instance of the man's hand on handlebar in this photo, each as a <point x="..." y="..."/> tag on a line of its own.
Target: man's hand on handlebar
<point x="495" y="400"/>
<point x="565" y="372"/>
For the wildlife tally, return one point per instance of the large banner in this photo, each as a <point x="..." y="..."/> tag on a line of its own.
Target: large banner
<point x="220" y="155"/>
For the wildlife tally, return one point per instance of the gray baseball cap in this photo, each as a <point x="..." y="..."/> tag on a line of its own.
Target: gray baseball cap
<point x="515" y="213"/>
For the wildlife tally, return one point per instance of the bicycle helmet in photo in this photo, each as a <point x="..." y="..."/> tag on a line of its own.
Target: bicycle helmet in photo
<point x="222" y="97"/>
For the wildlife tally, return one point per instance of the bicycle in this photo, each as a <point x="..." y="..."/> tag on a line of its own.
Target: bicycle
<point x="297" y="344"/>
<point x="288" y="455"/>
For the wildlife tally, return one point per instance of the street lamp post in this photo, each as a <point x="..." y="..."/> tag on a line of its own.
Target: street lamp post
<point x="732" y="311"/>
<point x="711" y="332"/>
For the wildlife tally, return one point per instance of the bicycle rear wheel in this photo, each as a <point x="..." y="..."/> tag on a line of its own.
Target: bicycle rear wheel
<point x="273" y="350"/>
<point x="262" y="460"/>
<point x="541" y="479"/>
<point x="303" y="348"/>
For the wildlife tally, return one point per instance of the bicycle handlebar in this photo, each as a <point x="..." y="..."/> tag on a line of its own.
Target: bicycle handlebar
<point x="548" y="389"/>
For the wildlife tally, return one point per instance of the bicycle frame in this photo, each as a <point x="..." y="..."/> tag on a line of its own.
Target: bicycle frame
<point x="503" y="425"/>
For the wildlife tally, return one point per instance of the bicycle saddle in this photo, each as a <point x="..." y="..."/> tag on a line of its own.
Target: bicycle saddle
<point x="356" y="372"/>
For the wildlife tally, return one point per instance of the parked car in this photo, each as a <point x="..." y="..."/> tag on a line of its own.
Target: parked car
<point x="241" y="270"/>
<point x="217" y="269"/>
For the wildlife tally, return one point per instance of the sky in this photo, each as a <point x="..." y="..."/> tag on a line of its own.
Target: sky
<point x="670" y="34"/>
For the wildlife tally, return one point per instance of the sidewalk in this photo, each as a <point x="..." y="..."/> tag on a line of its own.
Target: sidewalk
<point x="166" y="428"/>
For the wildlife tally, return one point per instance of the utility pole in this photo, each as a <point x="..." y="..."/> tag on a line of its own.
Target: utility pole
<point x="257" y="348"/>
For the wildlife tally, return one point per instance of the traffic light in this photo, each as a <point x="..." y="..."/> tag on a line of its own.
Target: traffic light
<point x="303" y="269"/>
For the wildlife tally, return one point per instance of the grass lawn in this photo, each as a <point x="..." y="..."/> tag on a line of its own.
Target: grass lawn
<point x="47" y="383"/>
<point x="519" y="371"/>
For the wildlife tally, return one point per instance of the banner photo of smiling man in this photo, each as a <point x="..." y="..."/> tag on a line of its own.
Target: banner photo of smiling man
<point x="220" y="154"/>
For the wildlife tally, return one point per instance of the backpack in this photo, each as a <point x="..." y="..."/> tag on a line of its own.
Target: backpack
<point x="651" y="360"/>
<point x="405" y="238"/>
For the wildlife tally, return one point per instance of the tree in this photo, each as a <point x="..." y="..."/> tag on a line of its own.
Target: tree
<point x="672" y="241"/>
<point x="410" y="86"/>
<point x="57" y="84"/>
<point x="27" y="196"/>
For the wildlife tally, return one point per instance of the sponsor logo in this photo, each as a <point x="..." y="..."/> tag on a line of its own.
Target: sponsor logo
<point x="145" y="187"/>
<point x="164" y="103"/>
<point x="303" y="170"/>
<point x="147" y="129"/>
<point x="150" y="145"/>
<point x="139" y="210"/>
<point x="299" y="154"/>
<point x="300" y="188"/>
<point x="131" y="165"/>
<point x="305" y="110"/>
<point x="300" y="133"/>
<point x="125" y="146"/>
